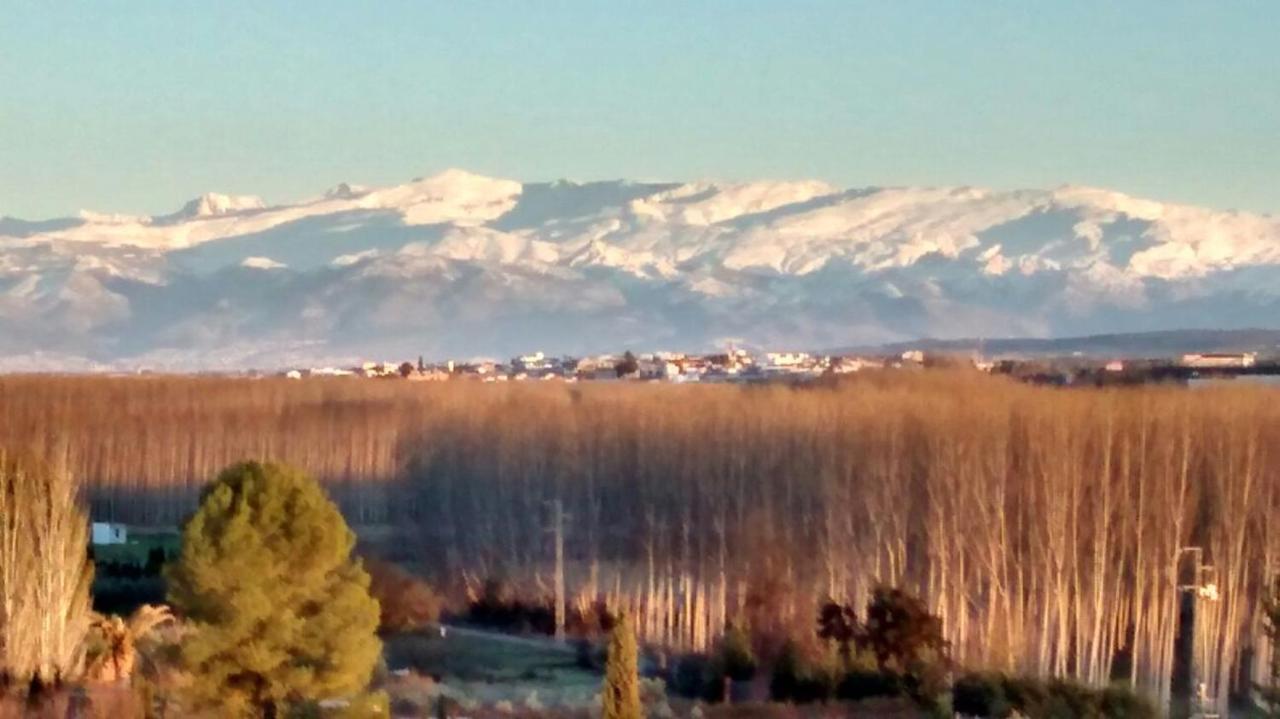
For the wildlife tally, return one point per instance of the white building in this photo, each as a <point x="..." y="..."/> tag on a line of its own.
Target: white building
<point x="1220" y="360"/>
<point x="786" y="359"/>
<point x="846" y="365"/>
<point x="330" y="372"/>
<point x="109" y="533"/>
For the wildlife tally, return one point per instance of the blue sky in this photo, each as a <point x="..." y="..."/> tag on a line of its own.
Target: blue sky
<point x="135" y="106"/>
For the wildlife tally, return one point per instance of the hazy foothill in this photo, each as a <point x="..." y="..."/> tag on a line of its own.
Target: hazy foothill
<point x="460" y="264"/>
<point x="757" y="539"/>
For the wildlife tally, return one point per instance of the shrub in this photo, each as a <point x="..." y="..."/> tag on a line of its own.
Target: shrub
<point x="787" y="674"/>
<point x="980" y="695"/>
<point x="372" y="705"/>
<point x="798" y="678"/>
<point x="497" y="608"/>
<point x="901" y="632"/>
<point x="587" y="655"/>
<point x="904" y="638"/>
<point x="927" y="681"/>
<point x="858" y="684"/>
<point x="992" y="695"/>
<point x="696" y="677"/>
<point x="1120" y="702"/>
<point x="1027" y="695"/>
<point x="1070" y="699"/>
<point x="838" y="623"/>
<point x="122" y="596"/>
<point x="734" y="657"/>
<point x="593" y="620"/>
<point x="406" y="603"/>
<point x="156" y="559"/>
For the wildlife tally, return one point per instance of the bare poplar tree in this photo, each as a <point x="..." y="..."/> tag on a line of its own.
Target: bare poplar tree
<point x="44" y="572"/>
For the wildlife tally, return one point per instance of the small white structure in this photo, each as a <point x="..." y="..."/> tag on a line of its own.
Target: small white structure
<point x="846" y="365"/>
<point x="329" y="372"/>
<point x="1220" y="360"/>
<point x="109" y="533"/>
<point x="786" y="359"/>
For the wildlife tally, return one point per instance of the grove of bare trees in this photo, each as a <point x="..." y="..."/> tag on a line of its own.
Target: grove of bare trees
<point x="147" y="445"/>
<point x="1048" y="528"/>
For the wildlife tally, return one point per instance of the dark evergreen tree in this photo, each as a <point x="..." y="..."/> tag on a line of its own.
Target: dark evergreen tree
<point x="629" y="365"/>
<point x="281" y="612"/>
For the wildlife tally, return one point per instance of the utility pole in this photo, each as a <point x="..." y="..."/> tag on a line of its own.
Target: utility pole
<point x="1201" y="587"/>
<point x="558" y="521"/>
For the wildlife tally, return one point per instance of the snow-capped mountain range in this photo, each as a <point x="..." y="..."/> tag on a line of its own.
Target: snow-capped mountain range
<point x="462" y="265"/>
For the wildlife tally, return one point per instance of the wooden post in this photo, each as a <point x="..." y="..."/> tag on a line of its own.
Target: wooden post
<point x="558" y="518"/>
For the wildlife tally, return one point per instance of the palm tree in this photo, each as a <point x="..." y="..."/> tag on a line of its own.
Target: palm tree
<point x="120" y="637"/>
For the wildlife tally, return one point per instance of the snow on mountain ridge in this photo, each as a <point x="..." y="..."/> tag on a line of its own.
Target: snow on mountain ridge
<point x="481" y="265"/>
<point x="262" y="263"/>
<point x="705" y="203"/>
<point x="787" y="227"/>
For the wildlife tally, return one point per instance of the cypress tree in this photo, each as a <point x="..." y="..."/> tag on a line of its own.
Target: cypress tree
<point x="282" y="613"/>
<point x="621" y="696"/>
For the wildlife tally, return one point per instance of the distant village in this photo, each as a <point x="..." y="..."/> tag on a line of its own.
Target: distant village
<point x="737" y="365"/>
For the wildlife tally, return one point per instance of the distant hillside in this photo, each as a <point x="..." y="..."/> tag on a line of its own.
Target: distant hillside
<point x="1133" y="344"/>
<point x="460" y="265"/>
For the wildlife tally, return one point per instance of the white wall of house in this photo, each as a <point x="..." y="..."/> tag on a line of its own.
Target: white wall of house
<point x="109" y="533"/>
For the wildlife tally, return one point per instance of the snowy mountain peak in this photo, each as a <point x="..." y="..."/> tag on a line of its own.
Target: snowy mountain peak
<point x="213" y="204"/>
<point x="456" y="185"/>
<point x="450" y="196"/>
<point x="345" y="191"/>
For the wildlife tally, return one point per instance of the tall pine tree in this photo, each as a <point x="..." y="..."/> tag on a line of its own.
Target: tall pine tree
<point x="282" y="612"/>
<point x="621" y="695"/>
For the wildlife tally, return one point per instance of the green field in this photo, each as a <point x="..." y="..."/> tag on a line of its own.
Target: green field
<point x="139" y="547"/>
<point x="478" y="669"/>
<point x="125" y="578"/>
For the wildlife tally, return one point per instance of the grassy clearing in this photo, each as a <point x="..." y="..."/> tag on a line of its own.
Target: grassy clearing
<point x="478" y="670"/>
<point x="497" y="676"/>
<point x="472" y="656"/>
